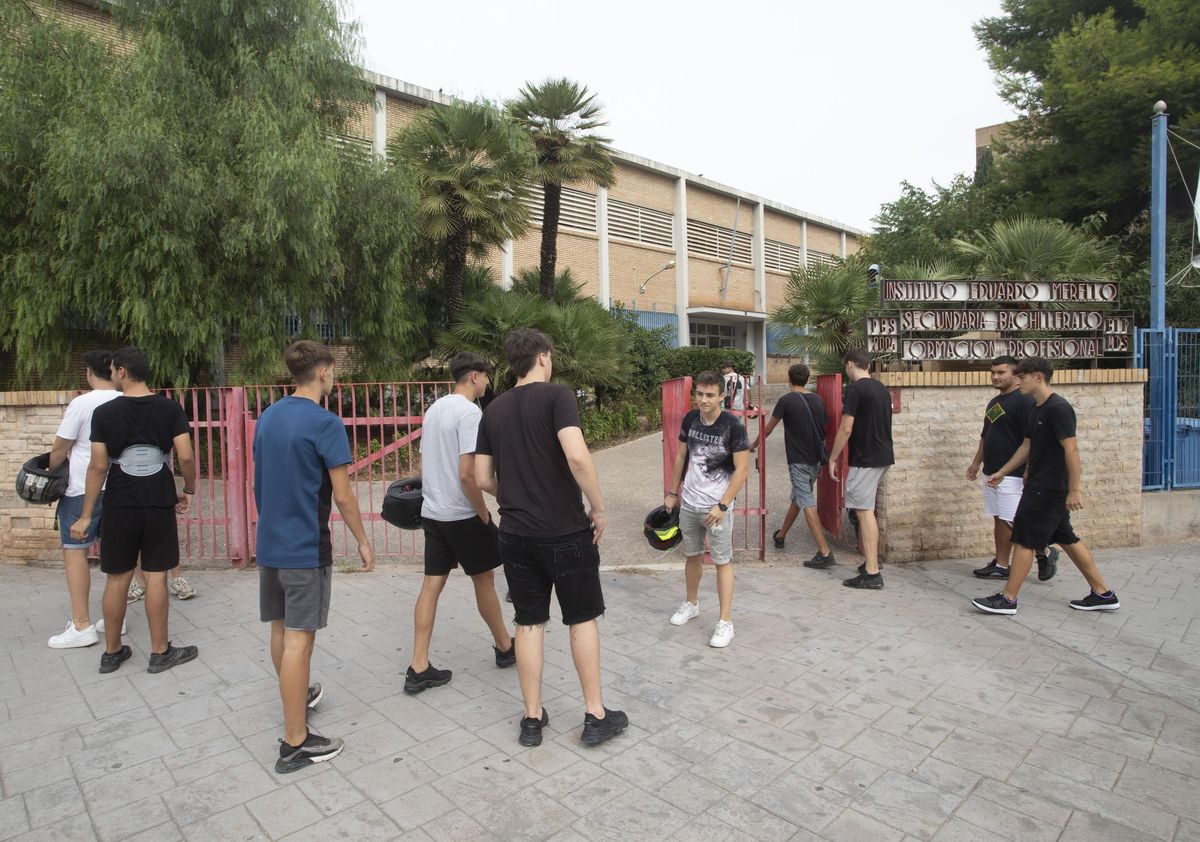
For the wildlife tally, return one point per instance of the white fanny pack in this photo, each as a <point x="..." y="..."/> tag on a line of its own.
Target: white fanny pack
<point x="142" y="460"/>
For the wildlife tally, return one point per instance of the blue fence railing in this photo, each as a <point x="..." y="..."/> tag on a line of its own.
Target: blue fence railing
<point x="1171" y="443"/>
<point x="651" y="319"/>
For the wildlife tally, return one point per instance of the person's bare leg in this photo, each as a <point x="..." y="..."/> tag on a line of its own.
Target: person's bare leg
<point x="725" y="588"/>
<point x="693" y="571"/>
<point x="277" y="645"/>
<point x="1082" y="557"/>
<point x="868" y="536"/>
<point x="1022" y="562"/>
<point x="585" y="651"/>
<point x="530" y="654"/>
<point x="116" y="589"/>
<point x="818" y="531"/>
<point x="157" y="608"/>
<point x="789" y="519"/>
<point x="1002" y="534"/>
<point x="79" y="586"/>
<point x="423" y="616"/>
<point x="489" y="608"/>
<point x="293" y="683"/>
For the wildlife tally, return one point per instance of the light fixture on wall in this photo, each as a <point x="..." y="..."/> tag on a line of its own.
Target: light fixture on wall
<point x="670" y="264"/>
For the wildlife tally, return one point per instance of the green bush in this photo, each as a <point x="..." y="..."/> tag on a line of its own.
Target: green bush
<point x="604" y="426"/>
<point x="690" y="361"/>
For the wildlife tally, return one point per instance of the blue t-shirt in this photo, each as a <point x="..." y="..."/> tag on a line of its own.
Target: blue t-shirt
<point x="296" y="442"/>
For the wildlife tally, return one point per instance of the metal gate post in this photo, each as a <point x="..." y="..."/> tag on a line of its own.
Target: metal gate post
<point x="830" y="494"/>
<point x="238" y="485"/>
<point x="1170" y="405"/>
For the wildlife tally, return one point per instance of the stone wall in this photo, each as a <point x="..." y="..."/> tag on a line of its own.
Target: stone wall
<point x="929" y="510"/>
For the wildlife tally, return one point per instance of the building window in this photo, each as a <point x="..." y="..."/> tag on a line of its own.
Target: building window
<point x="711" y="335"/>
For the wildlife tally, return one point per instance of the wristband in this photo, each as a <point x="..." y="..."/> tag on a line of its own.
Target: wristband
<point x="189" y="493"/>
<point x="672" y="494"/>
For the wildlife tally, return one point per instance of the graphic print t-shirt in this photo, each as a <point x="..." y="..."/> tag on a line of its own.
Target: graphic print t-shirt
<point x="710" y="457"/>
<point x="870" y="403"/>
<point x="799" y="436"/>
<point x="76" y="426"/>
<point x="296" y="442"/>
<point x="1005" y="422"/>
<point x="124" y="422"/>
<point x="1049" y="424"/>
<point x="448" y="432"/>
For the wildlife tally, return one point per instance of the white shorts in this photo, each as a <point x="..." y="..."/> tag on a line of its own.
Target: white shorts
<point x="1002" y="502"/>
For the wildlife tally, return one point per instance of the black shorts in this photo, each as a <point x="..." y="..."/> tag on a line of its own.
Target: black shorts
<point x="1043" y="519"/>
<point x="471" y="543"/>
<point x="126" y="533"/>
<point x="568" y="564"/>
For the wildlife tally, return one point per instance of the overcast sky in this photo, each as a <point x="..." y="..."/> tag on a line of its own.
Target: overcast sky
<point x="826" y="107"/>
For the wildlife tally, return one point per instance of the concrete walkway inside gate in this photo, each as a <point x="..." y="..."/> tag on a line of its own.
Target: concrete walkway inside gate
<point x="834" y="715"/>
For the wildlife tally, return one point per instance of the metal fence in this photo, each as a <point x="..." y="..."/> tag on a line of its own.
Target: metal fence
<point x="1171" y="441"/>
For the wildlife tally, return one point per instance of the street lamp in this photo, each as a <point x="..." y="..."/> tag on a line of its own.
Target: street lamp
<point x="670" y="264"/>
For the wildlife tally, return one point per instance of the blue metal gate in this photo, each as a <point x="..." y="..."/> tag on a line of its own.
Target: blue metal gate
<point x="1171" y="447"/>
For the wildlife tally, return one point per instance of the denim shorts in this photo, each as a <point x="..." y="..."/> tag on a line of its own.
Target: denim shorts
<point x="567" y="564"/>
<point x="69" y="510"/>
<point x="804" y="481"/>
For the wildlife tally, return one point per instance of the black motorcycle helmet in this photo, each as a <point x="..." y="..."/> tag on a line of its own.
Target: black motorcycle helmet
<point x="36" y="483"/>
<point x="661" y="528"/>
<point x="402" y="503"/>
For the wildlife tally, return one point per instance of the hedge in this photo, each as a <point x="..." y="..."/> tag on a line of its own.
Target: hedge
<point x="693" y="359"/>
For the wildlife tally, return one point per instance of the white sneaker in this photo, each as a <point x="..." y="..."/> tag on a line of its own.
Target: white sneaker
<point x="686" y="612"/>
<point x="181" y="589"/>
<point x="722" y="635"/>
<point x="73" y="638"/>
<point x="100" y="627"/>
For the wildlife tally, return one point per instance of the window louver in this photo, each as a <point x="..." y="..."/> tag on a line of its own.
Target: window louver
<point x="713" y="241"/>
<point x="783" y="257"/>
<point x="577" y="209"/>
<point x="643" y="225"/>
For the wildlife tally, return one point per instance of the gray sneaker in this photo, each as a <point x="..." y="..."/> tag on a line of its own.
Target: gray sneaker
<point x="180" y="589"/>
<point x="314" y="749"/>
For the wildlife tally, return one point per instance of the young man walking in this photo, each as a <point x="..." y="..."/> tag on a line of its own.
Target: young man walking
<point x="135" y="434"/>
<point x="803" y="417"/>
<point x="716" y="455"/>
<point x="867" y="427"/>
<point x="734" y="386"/>
<point x="458" y="526"/>
<point x="300" y="466"/>
<point x="73" y="444"/>
<point x="531" y="455"/>
<point x="1004" y="424"/>
<point x="1053" y="489"/>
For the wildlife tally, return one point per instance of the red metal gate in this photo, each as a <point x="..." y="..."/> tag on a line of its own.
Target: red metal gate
<point x="831" y="495"/>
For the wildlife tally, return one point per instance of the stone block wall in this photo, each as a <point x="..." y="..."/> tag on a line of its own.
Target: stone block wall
<point x="929" y="510"/>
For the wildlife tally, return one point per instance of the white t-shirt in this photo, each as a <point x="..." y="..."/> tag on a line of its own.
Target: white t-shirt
<point x="449" y="431"/>
<point x="735" y="391"/>
<point x="76" y="426"/>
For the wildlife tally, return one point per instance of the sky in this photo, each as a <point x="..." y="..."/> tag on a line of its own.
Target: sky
<point x="826" y="107"/>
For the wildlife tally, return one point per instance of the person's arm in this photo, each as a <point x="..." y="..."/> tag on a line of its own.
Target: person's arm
<point x="96" y="474"/>
<point x="584" y="470"/>
<point x="1018" y="458"/>
<point x="839" y="442"/>
<point x="485" y="473"/>
<point x="671" y="497"/>
<point x="976" y="461"/>
<point x="466" y="476"/>
<point x="766" y="432"/>
<point x="1070" y="448"/>
<point x="347" y="505"/>
<point x="741" y="469"/>
<point x="187" y="466"/>
<point x="60" y="452"/>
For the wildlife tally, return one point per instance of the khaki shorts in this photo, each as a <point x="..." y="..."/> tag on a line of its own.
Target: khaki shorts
<point x="862" y="484"/>
<point x="720" y="543"/>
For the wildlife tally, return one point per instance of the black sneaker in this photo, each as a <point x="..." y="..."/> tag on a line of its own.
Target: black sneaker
<point x="314" y="696"/>
<point x="596" y="731"/>
<point x="314" y="749"/>
<point x="110" y="662"/>
<point x="865" y="580"/>
<point x="1047" y="564"/>
<point x="1091" y="602"/>
<point x="531" y="729"/>
<point x="173" y="657"/>
<point x="415" y="682"/>
<point x="820" y="562"/>
<point x="778" y="541"/>
<point x="506" y="659"/>
<point x="992" y="570"/>
<point x="997" y="603"/>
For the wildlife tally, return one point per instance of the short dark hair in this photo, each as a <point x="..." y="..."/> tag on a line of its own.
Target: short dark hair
<point x="798" y="374"/>
<point x="709" y="378"/>
<point x="134" y="361"/>
<point x="1036" y="365"/>
<point x="99" y="363"/>
<point x="728" y="364"/>
<point x="859" y="357"/>
<point x="464" y="362"/>
<point x="303" y="358"/>
<point x="522" y="346"/>
<point x="1006" y="359"/>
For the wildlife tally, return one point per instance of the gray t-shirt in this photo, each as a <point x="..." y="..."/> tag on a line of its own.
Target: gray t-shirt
<point x="449" y="431"/>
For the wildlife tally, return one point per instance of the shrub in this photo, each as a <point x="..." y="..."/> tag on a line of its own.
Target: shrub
<point x="690" y="361"/>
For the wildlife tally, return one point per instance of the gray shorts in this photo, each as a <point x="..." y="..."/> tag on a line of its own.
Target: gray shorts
<point x="691" y="526"/>
<point x="804" y="481"/>
<point x="297" y="595"/>
<point x="862" y="484"/>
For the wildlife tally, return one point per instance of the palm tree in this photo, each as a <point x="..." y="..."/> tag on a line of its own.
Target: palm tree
<point x="1030" y="248"/>
<point x="471" y="164"/>
<point x="559" y="115"/>
<point x="829" y="304"/>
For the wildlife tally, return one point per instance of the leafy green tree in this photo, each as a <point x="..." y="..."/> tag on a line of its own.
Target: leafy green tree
<point x="470" y="162"/>
<point x="566" y="289"/>
<point x="1029" y="249"/>
<point x="560" y="115"/>
<point x="828" y="303"/>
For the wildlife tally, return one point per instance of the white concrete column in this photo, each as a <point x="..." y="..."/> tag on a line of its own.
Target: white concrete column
<point x="761" y="350"/>
<point x="758" y="256"/>
<point x="379" y="138"/>
<point x="604" y="293"/>
<point x="804" y="243"/>
<point x="681" y="260"/>
<point x="843" y="245"/>
<point x="506" y="265"/>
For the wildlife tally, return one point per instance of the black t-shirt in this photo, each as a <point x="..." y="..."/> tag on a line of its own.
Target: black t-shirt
<point x="870" y="403"/>
<point x="538" y="494"/>
<point x="1005" y="423"/>
<point x="710" y="457"/>
<point x="1049" y="424"/>
<point x="124" y="422"/>
<point x="799" y="439"/>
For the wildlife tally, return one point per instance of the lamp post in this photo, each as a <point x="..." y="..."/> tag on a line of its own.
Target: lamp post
<point x="670" y="264"/>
